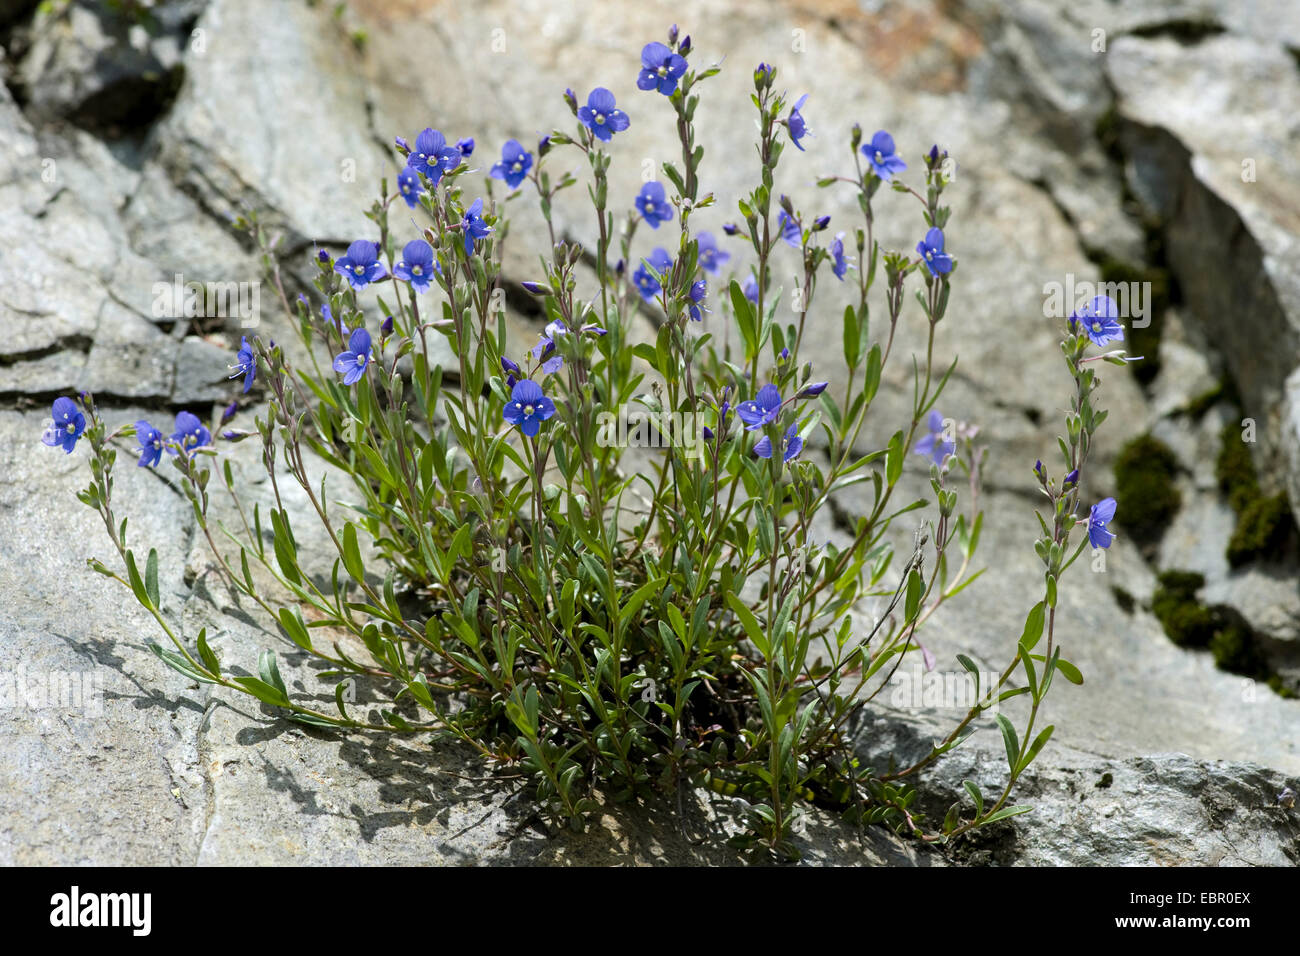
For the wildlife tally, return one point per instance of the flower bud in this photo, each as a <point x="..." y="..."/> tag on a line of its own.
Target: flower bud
<point x="685" y="48"/>
<point x="466" y="146"/>
<point x="229" y="412"/>
<point x="536" y="288"/>
<point x="731" y="228"/>
<point x="672" y="35"/>
<point x="820" y="223"/>
<point x="813" y="390"/>
<point x="386" y="329"/>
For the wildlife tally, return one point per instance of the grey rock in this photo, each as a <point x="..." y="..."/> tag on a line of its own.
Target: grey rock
<point x="1193" y="143"/>
<point x="100" y="66"/>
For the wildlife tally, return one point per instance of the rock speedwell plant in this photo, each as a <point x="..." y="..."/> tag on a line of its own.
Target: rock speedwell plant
<point x="613" y="620"/>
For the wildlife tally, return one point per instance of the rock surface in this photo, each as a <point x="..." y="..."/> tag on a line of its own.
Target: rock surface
<point x="289" y="115"/>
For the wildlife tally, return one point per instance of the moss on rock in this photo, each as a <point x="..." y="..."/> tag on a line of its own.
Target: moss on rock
<point x="1145" y="492"/>
<point x="1235" y="470"/>
<point x="1264" y="529"/>
<point x="1186" y="621"/>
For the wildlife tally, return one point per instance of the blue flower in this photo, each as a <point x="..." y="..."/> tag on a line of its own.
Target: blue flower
<point x="880" y="154"/>
<point x="661" y="68"/>
<point x="841" y="264"/>
<point x="711" y="257"/>
<point x="433" y="156"/>
<point x="151" y="444"/>
<point x="68" y="425"/>
<point x="409" y="185"/>
<point x="1098" y="516"/>
<point x="514" y="165"/>
<point x="361" y="265"/>
<point x="247" y="364"/>
<point x="1100" y="319"/>
<point x="417" y="265"/>
<point x="653" y="204"/>
<point x="932" y="444"/>
<point x="792" y="444"/>
<point x="646" y="282"/>
<point x="761" y="409"/>
<point x="544" y="350"/>
<point x="528" y="407"/>
<point x="600" y="115"/>
<point x="466" y="146"/>
<point x="353" y="363"/>
<point x="473" y="226"/>
<point x="750" y="288"/>
<point x="189" y="434"/>
<point x="698" y="291"/>
<point x="330" y="321"/>
<point x="796" y="125"/>
<point x="790" y="231"/>
<point x="932" y="254"/>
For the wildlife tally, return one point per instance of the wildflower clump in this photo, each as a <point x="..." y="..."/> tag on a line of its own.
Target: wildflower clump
<point x="592" y="559"/>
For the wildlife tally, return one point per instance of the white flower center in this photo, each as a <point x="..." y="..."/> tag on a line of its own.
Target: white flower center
<point x="416" y="271"/>
<point x="880" y="158"/>
<point x="359" y="270"/>
<point x="517" y="166"/>
<point x="600" y="117"/>
<point x="528" y="409"/>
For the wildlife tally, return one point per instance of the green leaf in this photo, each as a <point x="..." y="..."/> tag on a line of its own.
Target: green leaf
<point x="270" y="672"/>
<point x="975" y="795"/>
<point x="1069" y="671"/>
<point x="263" y="691"/>
<point x="894" y="459"/>
<point x="1036" y="746"/>
<point x="205" y="653"/>
<point x="1033" y="626"/>
<point x="1004" y="813"/>
<point x="749" y="623"/>
<point x="915" y="586"/>
<point x="352" y="553"/>
<point x="292" y="622"/>
<point x="151" y="577"/>
<point x="969" y="664"/>
<point x="178" y="663"/>
<point x="1009" y="738"/>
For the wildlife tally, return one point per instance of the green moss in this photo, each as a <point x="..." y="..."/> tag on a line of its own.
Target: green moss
<point x="1279" y="688"/>
<point x="1222" y="629"/>
<point x="1200" y="404"/>
<point x="1265" y="525"/>
<point x="1263" y="530"/>
<point x="1123" y="599"/>
<point x="1235" y="470"/>
<point x="1234" y="648"/>
<point x="1145" y="492"/>
<point x="1186" y="621"/>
